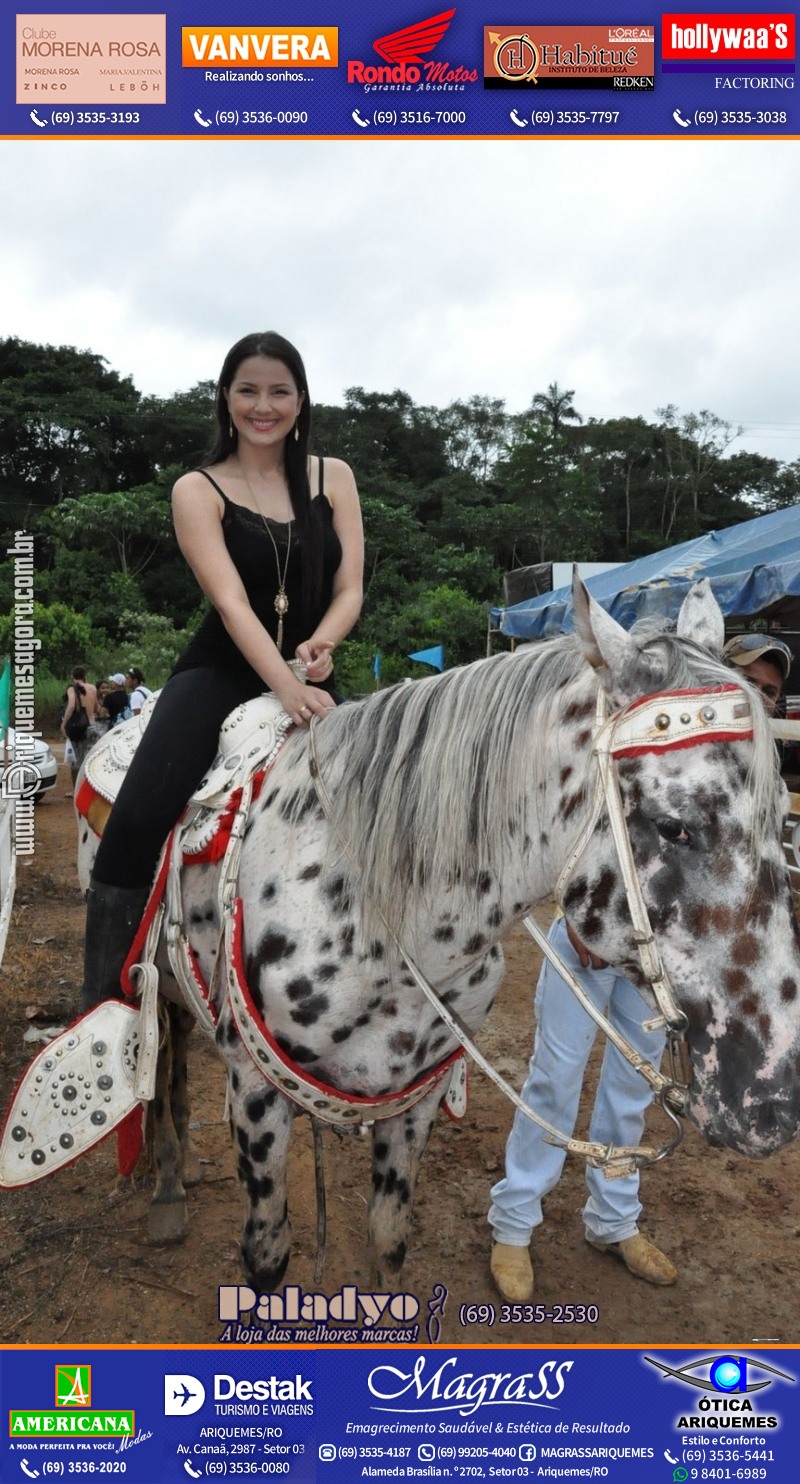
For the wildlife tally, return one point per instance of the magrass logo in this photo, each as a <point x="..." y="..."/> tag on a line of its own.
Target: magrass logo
<point x="73" y="1386"/>
<point x="73" y="1415"/>
<point x="405" y="54"/>
<point x="728" y="1381"/>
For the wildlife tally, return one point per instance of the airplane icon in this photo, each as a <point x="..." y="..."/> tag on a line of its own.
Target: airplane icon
<point x="182" y="1395"/>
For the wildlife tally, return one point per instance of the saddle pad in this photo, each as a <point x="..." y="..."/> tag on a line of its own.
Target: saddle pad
<point x="74" y="1092"/>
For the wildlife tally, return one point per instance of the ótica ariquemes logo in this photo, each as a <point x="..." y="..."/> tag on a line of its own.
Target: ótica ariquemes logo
<point x="728" y="1382"/>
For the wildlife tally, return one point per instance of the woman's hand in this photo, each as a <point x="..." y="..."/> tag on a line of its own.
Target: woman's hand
<point x="303" y="702"/>
<point x="316" y="655"/>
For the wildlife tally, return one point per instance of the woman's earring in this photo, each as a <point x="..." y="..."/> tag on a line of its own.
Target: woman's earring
<point x="230" y="427"/>
<point x="297" y="431"/>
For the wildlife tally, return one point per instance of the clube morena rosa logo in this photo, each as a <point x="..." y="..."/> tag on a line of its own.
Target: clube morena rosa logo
<point x="406" y="65"/>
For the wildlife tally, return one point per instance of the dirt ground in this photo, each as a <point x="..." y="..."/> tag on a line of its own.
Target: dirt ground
<point x="77" y="1266"/>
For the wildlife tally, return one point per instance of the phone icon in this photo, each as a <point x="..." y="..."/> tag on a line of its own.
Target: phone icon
<point x="195" y="1473"/>
<point x="204" y="123"/>
<point x="40" y="123"/>
<point x="32" y="1473"/>
<point x="679" y="119"/>
<point x="515" y="119"/>
<point x="669" y="1457"/>
<point x="357" y="119"/>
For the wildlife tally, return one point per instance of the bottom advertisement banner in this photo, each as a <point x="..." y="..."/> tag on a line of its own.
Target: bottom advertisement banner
<point x="341" y="1414"/>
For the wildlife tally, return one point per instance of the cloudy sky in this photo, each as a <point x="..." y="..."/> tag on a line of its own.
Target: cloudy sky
<point x="638" y="273"/>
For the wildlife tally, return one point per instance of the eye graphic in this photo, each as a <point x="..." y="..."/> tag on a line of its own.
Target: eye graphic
<point x="727" y="1374"/>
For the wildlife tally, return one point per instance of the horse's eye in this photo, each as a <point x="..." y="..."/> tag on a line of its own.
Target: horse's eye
<point x="673" y="829"/>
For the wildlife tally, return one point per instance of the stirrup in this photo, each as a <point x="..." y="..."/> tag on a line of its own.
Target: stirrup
<point x="76" y="1090"/>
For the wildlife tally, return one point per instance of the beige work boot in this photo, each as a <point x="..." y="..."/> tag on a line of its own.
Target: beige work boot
<point x="641" y="1258"/>
<point x="512" y="1272"/>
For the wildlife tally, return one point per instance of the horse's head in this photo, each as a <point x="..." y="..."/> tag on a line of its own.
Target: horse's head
<point x="703" y="803"/>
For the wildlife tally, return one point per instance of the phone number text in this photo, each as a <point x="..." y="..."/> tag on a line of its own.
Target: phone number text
<point x="528" y="1314"/>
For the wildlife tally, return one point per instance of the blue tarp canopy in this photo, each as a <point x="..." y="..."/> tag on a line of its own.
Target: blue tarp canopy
<point x="752" y="567"/>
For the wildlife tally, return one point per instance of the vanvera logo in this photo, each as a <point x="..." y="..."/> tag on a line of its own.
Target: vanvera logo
<point x="445" y="1388"/>
<point x="259" y="46"/>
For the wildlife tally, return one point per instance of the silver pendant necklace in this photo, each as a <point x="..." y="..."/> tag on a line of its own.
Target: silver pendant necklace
<point x="281" y="602"/>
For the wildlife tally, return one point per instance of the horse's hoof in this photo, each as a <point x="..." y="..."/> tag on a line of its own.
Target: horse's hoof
<point x="167" y="1223"/>
<point x="192" y="1168"/>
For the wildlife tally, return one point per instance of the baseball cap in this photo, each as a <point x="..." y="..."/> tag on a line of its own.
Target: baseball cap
<point x="117" y="679"/>
<point x="745" y="649"/>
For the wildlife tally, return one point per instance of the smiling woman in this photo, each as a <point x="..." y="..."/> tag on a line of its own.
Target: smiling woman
<point x="282" y="569"/>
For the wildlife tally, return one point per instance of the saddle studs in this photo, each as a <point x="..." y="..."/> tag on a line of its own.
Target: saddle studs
<point x="708" y="714"/>
<point x="104" y="1083"/>
<point x="98" y="1117"/>
<point x="685" y="718"/>
<point x="662" y="721"/>
<point x="38" y="1157"/>
<point x="99" y="1049"/>
<point x="18" y="1134"/>
<point x="66" y="1141"/>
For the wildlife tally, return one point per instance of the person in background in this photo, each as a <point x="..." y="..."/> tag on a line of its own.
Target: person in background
<point x="117" y="701"/>
<point x="137" y="689"/>
<point x="102" y="720"/>
<point x="764" y="661"/>
<point x="80" y="696"/>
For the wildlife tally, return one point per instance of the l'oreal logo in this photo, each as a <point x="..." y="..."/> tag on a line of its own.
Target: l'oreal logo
<point x="446" y="1389"/>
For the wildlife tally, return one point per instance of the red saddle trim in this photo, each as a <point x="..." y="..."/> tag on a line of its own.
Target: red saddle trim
<point x="218" y="844"/>
<point x="324" y="1088"/>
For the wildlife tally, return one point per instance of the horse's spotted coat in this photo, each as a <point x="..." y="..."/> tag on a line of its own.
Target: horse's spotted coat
<point x="452" y="862"/>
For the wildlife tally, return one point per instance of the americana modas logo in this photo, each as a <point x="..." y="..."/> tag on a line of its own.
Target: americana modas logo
<point x="406" y="63"/>
<point x="73" y="1386"/>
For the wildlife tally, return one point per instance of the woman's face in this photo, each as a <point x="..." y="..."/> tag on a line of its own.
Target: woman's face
<point x="263" y="401"/>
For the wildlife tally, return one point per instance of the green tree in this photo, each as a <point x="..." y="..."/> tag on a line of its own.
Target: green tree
<point x="67" y="425"/>
<point x="64" y="636"/>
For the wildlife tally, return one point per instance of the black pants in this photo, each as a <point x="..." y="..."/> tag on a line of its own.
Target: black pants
<point x="177" y="748"/>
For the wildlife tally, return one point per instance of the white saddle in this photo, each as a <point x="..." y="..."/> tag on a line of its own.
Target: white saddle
<point x="248" y="737"/>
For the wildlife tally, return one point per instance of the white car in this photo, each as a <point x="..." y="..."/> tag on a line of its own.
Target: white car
<point x="30" y="772"/>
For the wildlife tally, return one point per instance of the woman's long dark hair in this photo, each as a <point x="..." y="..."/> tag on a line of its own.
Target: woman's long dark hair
<point x="307" y="531"/>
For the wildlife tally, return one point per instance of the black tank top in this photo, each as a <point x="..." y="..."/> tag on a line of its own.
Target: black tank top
<point x="253" y="555"/>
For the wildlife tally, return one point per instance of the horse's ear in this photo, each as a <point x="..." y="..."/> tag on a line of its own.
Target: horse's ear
<point x="701" y="618"/>
<point x="606" y="645"/>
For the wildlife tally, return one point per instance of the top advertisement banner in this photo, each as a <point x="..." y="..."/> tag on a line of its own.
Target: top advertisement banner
<point x="398" y="69"/>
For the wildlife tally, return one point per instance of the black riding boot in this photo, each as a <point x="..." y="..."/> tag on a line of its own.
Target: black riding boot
<point x="113" y="914"/>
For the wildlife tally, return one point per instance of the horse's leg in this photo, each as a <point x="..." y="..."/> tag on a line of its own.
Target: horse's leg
<point x="181" y="1023"/>
<point x="261" y="1121"/>
<point x="167" y="1218"/>
<point x="397" y="1148"/>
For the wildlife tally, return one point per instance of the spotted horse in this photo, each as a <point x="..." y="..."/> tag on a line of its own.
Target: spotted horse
<point x="451" y="806"/>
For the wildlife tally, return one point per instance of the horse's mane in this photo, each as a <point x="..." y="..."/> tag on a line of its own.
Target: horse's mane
<point x="436" y="780"/>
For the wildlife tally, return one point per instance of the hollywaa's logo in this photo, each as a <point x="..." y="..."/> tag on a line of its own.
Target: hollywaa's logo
<point x="728" y="1378"/>
<point x="404" y="54"/>
<point x="449" y="1389"/>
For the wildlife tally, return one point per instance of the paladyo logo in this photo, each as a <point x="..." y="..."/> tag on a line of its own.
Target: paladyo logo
<point x="405" y="53"/>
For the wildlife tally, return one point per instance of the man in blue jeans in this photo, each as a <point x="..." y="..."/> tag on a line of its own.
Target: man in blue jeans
<point x="564" y="1038"/>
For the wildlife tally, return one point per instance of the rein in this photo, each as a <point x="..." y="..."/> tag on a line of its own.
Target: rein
<point x="657" y="723"/>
